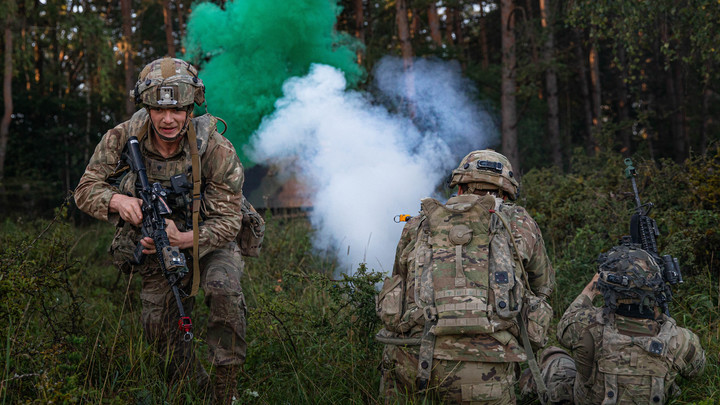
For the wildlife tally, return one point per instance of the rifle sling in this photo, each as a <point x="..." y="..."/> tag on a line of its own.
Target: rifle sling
<point x="192" y="139"/>
<point x="531" y="359"/>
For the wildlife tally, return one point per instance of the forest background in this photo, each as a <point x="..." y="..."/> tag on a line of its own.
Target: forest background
<point x="573" y="88"/>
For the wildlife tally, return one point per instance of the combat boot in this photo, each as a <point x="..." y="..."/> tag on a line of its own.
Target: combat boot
<point x="226" y="384"/>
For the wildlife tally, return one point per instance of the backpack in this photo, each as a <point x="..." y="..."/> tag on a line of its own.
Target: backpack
<point x="466" y="277"/>
<point x="635" y="368"/>
<point x="464" y="266"/>
<point x="467" y="272"/>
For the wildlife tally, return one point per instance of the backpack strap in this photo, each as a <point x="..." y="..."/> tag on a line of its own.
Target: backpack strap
<point x="611" y="390"/>
<point x="427" y="341"/>
<point x="195" y="156"/>
<point x="522" y="322"/>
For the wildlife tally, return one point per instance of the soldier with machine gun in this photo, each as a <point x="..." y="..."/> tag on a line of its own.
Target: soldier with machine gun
<point x="630" y="350"/>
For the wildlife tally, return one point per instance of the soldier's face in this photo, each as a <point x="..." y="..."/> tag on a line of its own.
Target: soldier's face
<point x="168" y="121"/>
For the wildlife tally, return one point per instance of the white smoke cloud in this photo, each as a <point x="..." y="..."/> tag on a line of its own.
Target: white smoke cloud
<point x="366" y="164"/>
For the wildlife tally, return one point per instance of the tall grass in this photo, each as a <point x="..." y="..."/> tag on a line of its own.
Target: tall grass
<point x="70" y="329"/>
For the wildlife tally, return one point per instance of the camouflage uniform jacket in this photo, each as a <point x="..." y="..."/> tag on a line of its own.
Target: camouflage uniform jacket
<point x="501" y="346"/>
<point x="583" y="329"/>
<point x="221" y="183"/>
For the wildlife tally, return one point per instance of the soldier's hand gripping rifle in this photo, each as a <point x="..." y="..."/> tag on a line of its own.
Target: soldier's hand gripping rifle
<point x="644" y="232"/>
<point x="154" y="209"/>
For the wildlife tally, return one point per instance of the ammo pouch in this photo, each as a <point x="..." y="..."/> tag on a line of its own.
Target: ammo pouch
<point x="538" y="314"/>
<point x="392" y="309"/>
<point x="123" y="246"/>
<point x="252" y="233"/>
<point x="389" y="302"/>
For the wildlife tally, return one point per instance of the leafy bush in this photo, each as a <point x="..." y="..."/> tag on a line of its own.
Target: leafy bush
<point x="586" y="211"/>
<point x="70" y="329"/>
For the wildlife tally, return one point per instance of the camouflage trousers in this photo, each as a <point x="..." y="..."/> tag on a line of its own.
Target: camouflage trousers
<point x="558" y="371"/>
<point x="460" y="382"/>
<point x="220" y="272"/>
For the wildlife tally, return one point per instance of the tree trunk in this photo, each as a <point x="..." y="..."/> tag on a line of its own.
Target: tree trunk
<point x="38" y="51"/>
<point x="546" y="19"/>
<point x="674" y="87"/>
<point x="483" y="37"/>
<point x="88" y="113"/>
<point x="360" y="27"/>
<point x="404" y="32"/>
<point x="7" y="96"/>
<point x="529" y="15"/>
<point x="593" y="59"/>
<point x="407" y="52"/>
<point x="507" y="97"/>
<point x="129" y="60"/>
<point x="449" y="24"/>
<point x="434" y="24"/>
<point x="706" y="119"/>
<point x="624" y="131"/>
<point x="585" y="92"/>
<point x="459" y="37"/>
<point x="414" y="23"/>
<point x="168" y="29"/>
<point x="180" y="6"/>
<point x="681" y="132"/>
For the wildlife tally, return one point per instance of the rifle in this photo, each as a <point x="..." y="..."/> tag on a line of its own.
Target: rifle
<point x="644" y="232"/>
<point x="154" y="209"/>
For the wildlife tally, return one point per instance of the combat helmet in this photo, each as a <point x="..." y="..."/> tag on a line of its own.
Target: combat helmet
<point x="486" y="167"/>
<point x="168" y="83"/>
<point x="632" y="276"/>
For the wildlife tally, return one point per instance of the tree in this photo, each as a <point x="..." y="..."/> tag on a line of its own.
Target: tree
<point x="403" y="30"/>
<point x="547" y="20"/>
<point x="7" y="87"/>
<point x="360" y="27"/>
<point x="508" y="87"/>
<point x="129" y="62"/>
<point x="406" y="49"/>
<point x="434" y="24"/>
<point x="169" y="39"/>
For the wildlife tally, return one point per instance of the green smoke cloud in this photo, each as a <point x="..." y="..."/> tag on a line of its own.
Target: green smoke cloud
<point x="246" y="52"/>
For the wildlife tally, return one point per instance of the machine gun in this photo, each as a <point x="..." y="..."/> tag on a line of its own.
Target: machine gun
<point x="154" y="209"/>
<point x="644" y="232"/>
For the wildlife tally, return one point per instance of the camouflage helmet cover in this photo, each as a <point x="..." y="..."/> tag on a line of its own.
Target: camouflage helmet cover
<point x="168" y="83"/>
<point x="630" y="275"/>
<point x="488" y="167"/>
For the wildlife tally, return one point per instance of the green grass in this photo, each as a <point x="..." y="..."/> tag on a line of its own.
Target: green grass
<point x="70" y="329"/>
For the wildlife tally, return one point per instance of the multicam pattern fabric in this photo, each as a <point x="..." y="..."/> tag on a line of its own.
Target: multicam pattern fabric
<point x="627" y="360"/>
<point x="169" y="83"/>
<point x="221" y="170"/>
<point x="499" y="348"/>
<point x="558" y="373"/>
<point x="465" y="275"/>
<point x="220" y="275"/>
<point x="480" y="170"/>
<point x="631" y="275"/>
<point x="460" y="382"/>
<point x="220" y="261"/>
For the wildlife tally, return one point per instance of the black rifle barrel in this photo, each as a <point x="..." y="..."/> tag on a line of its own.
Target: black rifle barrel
<point x="136" y="162"/>
<point x="154" y="207"/>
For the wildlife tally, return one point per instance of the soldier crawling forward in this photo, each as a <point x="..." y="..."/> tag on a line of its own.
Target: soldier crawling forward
<point x="203" y="174"/>
<point x="468" y="287"/>
<point x="627" y="352"/>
